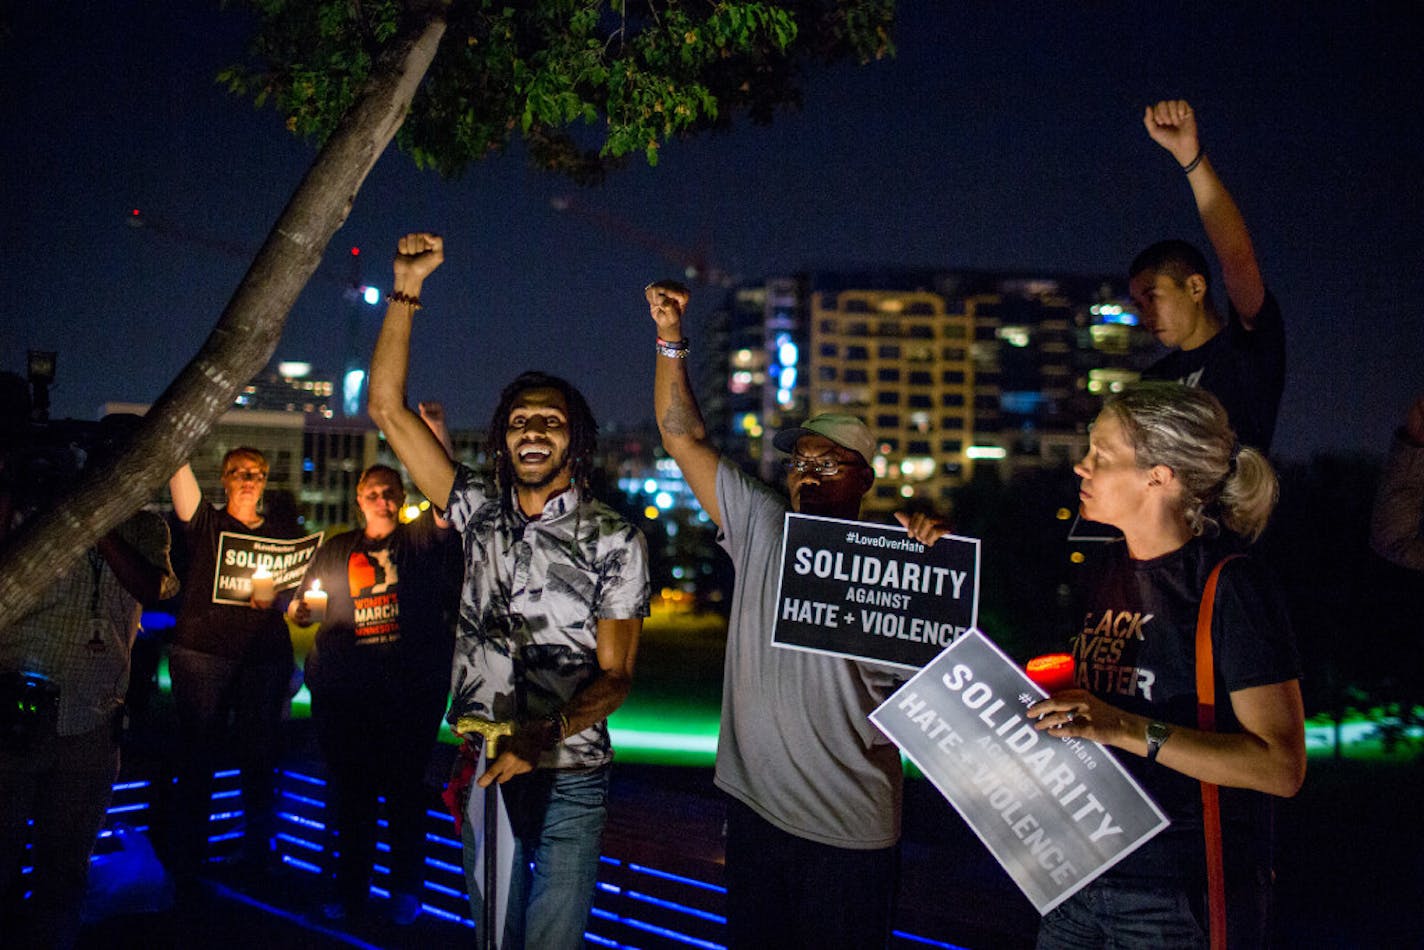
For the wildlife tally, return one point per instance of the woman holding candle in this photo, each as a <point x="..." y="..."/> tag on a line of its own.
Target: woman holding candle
<point x="224" y="661"/>
<point x="379" y="673"/>
<point x="1163" y="466"/>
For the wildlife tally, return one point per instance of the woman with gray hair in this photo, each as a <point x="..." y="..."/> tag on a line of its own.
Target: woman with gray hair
<point x="1163" y="466"/>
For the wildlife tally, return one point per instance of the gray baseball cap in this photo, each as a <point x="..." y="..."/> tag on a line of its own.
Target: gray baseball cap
<point x="845" y="431"/>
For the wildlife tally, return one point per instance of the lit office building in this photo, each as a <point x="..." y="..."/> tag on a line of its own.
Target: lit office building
<point x="289" y="386"/>
<point x="952" y="371"/>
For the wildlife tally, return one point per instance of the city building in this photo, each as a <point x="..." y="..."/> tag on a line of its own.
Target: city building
<point x="953" y="371"/>
<point x="289" y="386"/>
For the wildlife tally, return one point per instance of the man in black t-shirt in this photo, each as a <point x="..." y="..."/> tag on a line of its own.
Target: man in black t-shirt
<point x="1241" y="360"/>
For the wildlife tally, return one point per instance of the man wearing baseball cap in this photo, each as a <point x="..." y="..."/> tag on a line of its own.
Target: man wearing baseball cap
<point x="814" y="789"/>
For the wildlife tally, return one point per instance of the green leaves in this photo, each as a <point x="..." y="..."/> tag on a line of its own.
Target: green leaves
<point x="584" y="82"/>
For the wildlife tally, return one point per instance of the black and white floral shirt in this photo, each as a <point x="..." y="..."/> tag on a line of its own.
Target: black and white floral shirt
<point x="533" y="593"/>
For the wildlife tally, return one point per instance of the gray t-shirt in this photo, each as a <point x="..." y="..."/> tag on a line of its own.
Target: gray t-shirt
<point x="796" y="744"/>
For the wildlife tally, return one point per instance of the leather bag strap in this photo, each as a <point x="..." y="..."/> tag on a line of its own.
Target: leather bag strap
<point x="1206" y="721"/>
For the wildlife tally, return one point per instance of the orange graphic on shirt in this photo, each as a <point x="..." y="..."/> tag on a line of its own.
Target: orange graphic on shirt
<point x="360" y="574"/>
<point x="372" y="579"/>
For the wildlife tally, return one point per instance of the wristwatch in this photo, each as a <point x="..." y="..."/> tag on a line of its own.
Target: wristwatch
<point x="1157" y="733"/>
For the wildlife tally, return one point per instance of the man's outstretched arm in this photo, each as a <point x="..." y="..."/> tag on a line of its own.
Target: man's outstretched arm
<point x="1173" y="125"/>
<point x="414" y="443"/>
<point x="679" y="420"/>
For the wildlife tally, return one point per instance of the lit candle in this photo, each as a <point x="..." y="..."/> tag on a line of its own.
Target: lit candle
<point x="263" y="593"/>
<point x="1052" y="672"/>
<point x="315" y="599"/>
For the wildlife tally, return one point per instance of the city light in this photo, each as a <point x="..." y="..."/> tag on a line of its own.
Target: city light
<point x="985" y="452"/>
<point x="1014" y="336"/>
<point x="1114" y="313"/>
<point x="351" y="385"/>
<point x="372" y="295"/>
<point x="918" y="467"/>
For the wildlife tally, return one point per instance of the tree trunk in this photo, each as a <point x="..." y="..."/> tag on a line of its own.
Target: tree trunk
<point x="242" y="342"/>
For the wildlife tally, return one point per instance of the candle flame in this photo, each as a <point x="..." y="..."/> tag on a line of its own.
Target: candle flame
<point x="316" y="586"/>
<point x="261" y="571"/>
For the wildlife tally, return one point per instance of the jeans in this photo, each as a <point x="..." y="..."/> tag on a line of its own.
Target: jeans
<point x="206" y="689"/>
<point x="557" y="817"/>
<point x="785" y="891"/>
<point x="64" y="784"/>
<point x="1124" y="914"/>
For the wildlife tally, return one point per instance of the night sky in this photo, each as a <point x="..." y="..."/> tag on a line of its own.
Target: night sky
<point x="1002" y="136"/>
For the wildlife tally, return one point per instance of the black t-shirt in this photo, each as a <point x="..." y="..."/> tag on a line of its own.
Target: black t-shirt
<point x="235" y="632"/>
<point x="1245" y="369"/>
<point x="1136" y="650"/>
<point x="390" y="609"/>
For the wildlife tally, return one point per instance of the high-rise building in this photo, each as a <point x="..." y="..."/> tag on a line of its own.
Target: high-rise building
<point x="289" y="386"/>
<point x="952" y="370"/>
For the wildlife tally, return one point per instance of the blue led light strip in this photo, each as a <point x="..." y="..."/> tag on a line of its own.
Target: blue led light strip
<point x="669" y="876"/>
<point x="125" y="809"/>
<point x="926" y="941"/>
<point x="304" y="799"/>
<point x="659" y="931"/>
<point x="130" y="786"/>
<point x="313" y="847"/>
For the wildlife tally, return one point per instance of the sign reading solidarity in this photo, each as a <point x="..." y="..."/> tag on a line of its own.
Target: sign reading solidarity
<point x="1056" y="812"/>
<point x="872" y="592"/>
<point x="241" y="554"/>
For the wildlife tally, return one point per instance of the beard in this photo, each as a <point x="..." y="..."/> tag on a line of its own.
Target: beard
<point x="561" y="467"/>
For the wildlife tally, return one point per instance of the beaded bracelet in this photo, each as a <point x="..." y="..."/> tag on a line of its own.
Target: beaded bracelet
<point x="673" y="349"/>
<point x="397" y="296"/>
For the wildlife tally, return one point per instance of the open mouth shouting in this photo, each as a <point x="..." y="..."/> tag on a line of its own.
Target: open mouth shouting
<point x="533" y="454"/>
<point x="537" y="463"/>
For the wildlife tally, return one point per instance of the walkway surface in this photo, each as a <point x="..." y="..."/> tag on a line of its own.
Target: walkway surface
<point x="1352" y="873"/>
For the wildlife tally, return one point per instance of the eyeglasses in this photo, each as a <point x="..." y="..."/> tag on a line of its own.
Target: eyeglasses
<point x="825" y="467"/>
<point x="246" y="475"/>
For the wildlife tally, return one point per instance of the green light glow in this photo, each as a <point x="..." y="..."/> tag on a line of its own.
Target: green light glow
<point x="673" y="714"/>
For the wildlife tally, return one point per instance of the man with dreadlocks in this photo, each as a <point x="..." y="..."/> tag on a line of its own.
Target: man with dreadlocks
<point x="555" y="589"/>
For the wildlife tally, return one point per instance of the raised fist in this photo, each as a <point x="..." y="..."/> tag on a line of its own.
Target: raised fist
<point x="1173" y="125"/>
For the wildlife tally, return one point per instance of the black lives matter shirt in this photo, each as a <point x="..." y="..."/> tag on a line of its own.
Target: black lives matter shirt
<point x="1245" y="369"/>
<point x="1136" y="650"/>
<point x="390" y="608"/>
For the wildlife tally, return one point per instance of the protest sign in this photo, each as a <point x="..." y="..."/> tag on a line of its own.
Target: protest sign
<point x="1055" y="812"/>
<point x="241" y="554"/>
<point x="872" y="592"/>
